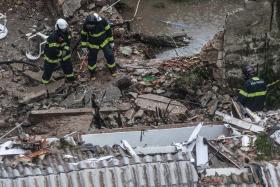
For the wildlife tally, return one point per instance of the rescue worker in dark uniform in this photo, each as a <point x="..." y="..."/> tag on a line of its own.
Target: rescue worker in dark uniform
<point x="253" y="94"/>
<point x="57" y="50"/>
<point x="95" y="35"/>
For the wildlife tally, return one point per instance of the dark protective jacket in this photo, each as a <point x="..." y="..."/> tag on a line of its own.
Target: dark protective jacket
<point x="57" y="48"/>
<point x="97" y="37"/>
<point x="253" y="94"/>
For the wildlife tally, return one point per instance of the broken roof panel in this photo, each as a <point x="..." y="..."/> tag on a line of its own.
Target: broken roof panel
<point x="267" y="175"/>
<point x="272" y="174"/>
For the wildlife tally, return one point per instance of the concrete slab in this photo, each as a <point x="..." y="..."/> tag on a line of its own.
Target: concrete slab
<point x="151" y="102"/>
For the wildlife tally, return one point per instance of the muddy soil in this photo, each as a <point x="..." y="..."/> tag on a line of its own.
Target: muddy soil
<point x="23" y="17"/>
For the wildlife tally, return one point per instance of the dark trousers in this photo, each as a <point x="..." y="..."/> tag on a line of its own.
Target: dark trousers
<point x="92" y="57"/>
<point x="49" y="68"/>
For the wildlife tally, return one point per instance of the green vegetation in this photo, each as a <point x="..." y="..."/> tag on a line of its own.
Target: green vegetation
<point x="267" y="149"/>
<point x="273" y="92"/>
<point x="192" y="79"/>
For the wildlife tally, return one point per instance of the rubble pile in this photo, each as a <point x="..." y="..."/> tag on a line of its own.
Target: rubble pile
<point x="146" y="93"/>
<point x="23" y="94"/>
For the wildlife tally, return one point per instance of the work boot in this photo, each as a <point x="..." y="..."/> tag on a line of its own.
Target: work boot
<point x="93" y="75"/>
<point x="114" y="72"/>
<point x="70" y="79"/>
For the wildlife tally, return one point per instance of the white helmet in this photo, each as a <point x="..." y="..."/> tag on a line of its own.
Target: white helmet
<point x="61" y="24"/>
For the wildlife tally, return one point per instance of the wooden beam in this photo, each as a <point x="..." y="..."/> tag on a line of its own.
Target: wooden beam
<point x="54" y="112"/>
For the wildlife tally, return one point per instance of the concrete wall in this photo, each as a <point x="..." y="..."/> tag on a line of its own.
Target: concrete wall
<point x="252" y="36"/>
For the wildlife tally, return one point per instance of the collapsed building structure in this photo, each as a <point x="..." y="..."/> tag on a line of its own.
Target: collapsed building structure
<point x="149" y="117"/>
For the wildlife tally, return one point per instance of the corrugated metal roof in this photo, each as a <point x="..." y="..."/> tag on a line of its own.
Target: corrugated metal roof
<point x="158" y="170"/>
<point x="272" y="175"/>
<point x="260" y="175"/>
<point x="242" y="180"/>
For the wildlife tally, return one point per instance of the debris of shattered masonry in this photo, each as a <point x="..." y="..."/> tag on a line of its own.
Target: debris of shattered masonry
<point x="180" y="113"/>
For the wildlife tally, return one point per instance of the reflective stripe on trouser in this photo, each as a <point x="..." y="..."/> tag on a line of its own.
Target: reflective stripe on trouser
<point x="111" y="66"/>
<point x="51" y="61"/>
<point x="92" y="57"/>
<point x="108" y="53"/>
<point x="92" y="68"/>
<point x="69" y="75"/>
<point x="102" y="45"/>
<point x="45" y="81"/>
<point x="67" y="57"/>
<point x="255" y="94"/>
<point x="67" y="68"/>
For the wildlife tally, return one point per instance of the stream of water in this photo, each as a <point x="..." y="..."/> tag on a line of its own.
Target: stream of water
<point x="201" y="19"/>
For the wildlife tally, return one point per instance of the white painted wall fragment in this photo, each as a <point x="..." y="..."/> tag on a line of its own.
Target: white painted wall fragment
<point x="201" y="153"/>
<point x="3" y="27"/>
<point x="128" y="147"/>
<point x="195" y="133"/>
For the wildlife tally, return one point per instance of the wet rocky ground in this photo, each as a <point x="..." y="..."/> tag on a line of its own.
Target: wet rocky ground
<point x="146" y="93"/>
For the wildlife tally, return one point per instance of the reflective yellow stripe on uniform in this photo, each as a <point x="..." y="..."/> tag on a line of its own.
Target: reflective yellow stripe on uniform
<point x="60" y="53"/>
<point x="256" y="78"/>
<point x="51" y="61"/>
<point x="54" y="45"/>
<point x="69" y="75"/>
<point x="83" y="32"/>
<point x="97" y="35"/>
<point x="111" y="65"/>
<point x="66" y="57"/>
<point x="255" y="94"/>
<point x="66" y="47"/>
<point x="45" y="81"/>
<point x="107" y="27"/>
<point x="110" y="39"/>
<point x="92" y="46"/>
<point x="271" y="84"/>
<point x="63" y="44"/>
<point x="92" y="67"/>
<point x="84" y="44"/>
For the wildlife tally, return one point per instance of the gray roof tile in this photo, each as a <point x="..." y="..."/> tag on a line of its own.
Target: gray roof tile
<point x="54" y="171"/>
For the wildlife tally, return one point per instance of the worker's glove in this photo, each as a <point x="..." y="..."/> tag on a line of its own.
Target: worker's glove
<point x="112" y="45"/>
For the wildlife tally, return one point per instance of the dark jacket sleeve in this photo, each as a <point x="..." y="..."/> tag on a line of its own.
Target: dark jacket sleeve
<point x="52" y="49"/>
<point x="108" y="30"/>
<point x="243" y="93"/>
